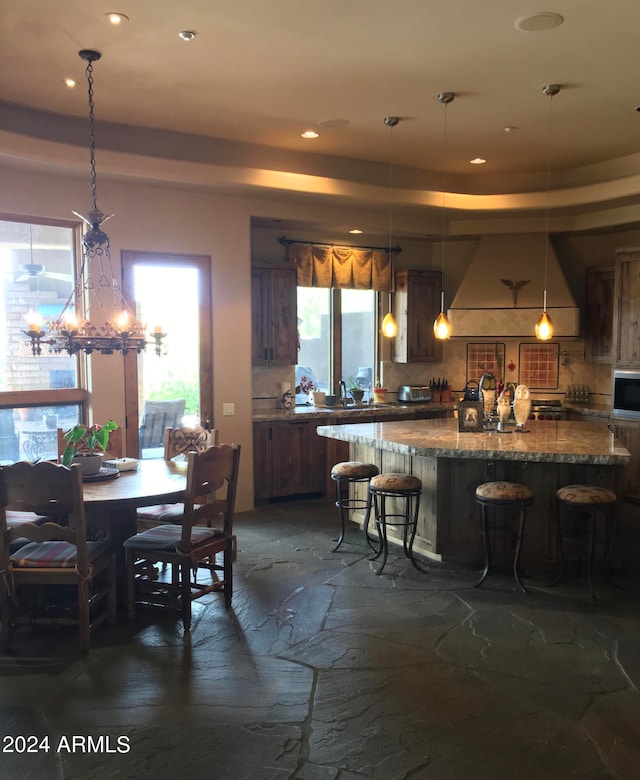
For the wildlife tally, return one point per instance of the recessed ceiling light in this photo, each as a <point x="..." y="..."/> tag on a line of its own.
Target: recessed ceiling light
<point x="478" y="161"/>
<point x="510" y="128"/>
<point x="310" y="134"/>
<point x="335" y="123"/>
<point x="539" y="22"/>
<point x="187" y="35"/>
<point x="116" y="18"/>
<point x="70" y="83"/>
<point x="355" y="231"/>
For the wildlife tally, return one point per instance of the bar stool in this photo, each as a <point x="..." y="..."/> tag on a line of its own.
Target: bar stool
<point x="344" y="475"/>
<point x="502" y="494"/>
<point x="407" y="488"/>
<point x="590" y="500"/>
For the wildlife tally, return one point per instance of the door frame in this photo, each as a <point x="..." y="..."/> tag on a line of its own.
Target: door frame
<point x="202" y="263"/>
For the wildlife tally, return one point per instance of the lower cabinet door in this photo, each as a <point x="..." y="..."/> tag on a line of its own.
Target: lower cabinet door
<point x="297" y="458"/>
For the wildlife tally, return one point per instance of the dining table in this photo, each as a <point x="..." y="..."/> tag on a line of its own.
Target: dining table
<point x="111" y="500"/>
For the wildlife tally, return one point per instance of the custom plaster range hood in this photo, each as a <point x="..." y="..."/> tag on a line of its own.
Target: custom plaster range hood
<point x="505" y="269"/>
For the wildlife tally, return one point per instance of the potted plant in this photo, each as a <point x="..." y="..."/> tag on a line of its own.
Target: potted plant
<point x="357" y="392"/>
<point x="86" y="445"/>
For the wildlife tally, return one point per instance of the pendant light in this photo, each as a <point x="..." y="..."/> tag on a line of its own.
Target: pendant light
<point x="442" y="326"/>
<point x="121" y="332"/>
<point x="544" y="326"/>
<point x="389" y="324"/>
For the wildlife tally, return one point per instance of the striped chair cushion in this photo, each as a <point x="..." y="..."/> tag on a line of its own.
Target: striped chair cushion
<point x="503" y="491"/>
<point x="162" y="513"/>
<point x="396" y="483"/>
<point x="54" y="555"/>
<point x="355" y="469"/>
<point x="585" y="494"/>
<point x="165" y="537"/>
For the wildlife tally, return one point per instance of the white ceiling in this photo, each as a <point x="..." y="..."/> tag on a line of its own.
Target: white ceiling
<point x="260" y="72"/>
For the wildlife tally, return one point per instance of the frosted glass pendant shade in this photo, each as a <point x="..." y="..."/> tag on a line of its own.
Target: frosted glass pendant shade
<point x="544" y="327"/>
<point x="389" y="326"/>
<point x="442" y="326"/>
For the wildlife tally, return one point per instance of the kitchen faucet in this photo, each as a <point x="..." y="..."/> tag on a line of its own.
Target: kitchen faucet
<point x="343" y="392"/>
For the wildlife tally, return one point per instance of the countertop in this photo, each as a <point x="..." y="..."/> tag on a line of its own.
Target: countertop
<point x="359" y="413"/>
<point x="546" y="442"/>
<point x="588" y="409"/>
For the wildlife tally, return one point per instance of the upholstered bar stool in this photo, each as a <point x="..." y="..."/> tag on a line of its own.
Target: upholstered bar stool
<point x="590" y="501"/>
<point x="407" y="488"/>
<point x="346" y="474"/>
<point x="503" y="495"/>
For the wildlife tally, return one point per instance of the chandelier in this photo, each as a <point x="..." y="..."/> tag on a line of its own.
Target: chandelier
<point x="95" y="282"/>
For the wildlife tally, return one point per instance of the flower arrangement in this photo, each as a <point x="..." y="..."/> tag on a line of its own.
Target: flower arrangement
<point x="84" y="440"/>
<point x="306" y="385"/>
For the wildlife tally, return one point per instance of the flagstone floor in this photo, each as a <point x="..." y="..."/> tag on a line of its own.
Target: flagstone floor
<point x="322" y="670"/>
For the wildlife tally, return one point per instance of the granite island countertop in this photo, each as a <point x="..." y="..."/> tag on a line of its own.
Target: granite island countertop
<point x="546" y="442"/>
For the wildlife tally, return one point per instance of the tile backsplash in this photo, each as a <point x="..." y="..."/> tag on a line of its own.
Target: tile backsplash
<point x="570" y="369"/>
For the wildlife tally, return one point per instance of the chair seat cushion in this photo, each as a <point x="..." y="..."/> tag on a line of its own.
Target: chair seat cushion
<point x="585" y="494"/>
<point x="395" y="483"/>
<point x="54" y="555"/>
<point x="355" y="469"/>
<point x="165" y="537"/>
<point x="503" y="491"/>
<point x="161" y="513"/>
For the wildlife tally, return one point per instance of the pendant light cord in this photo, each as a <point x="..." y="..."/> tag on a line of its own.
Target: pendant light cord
<point x="550" y="90"/>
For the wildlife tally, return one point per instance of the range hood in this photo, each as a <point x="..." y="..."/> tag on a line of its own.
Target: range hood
<point x="501" y="293"/>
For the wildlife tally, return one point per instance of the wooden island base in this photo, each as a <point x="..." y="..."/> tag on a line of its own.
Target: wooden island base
<point x="451" y="465"/>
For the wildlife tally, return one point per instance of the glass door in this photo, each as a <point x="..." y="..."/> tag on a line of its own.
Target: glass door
<point x="171" y="293"/>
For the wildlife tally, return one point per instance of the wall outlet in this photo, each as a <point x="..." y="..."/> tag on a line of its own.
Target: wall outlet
<point x="228" y="410"/>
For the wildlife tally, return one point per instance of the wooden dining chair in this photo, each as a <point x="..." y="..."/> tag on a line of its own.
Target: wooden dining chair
<point x="206" y="530"/>
<point x="54" y="553"/>
<point x="178" y="443"/>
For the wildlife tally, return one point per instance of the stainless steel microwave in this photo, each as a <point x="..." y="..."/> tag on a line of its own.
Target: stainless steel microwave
<point x="626" y="393"/>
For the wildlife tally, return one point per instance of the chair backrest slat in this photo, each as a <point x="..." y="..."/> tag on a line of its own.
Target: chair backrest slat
<point x="44" y="488"/>
<point x="182" y="441"/>
<point x="210" y="471"/>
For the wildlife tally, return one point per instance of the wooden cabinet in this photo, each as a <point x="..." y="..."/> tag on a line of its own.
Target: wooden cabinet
<point x="628" y="432"/>
<point x="288" y="458"/>
<point x="417" y="304"/>
<point x="627" y="308"/>
<point x="599" y="313"/>
<point x="274" y="315"/>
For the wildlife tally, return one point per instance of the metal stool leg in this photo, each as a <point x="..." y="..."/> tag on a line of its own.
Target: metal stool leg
<point x="413" y="517"/>
<point x="340" y="504"/>
<point x="516" y="559"/>
<point x="486" y="544"/>
<point x="381" y="523"/>
<point x="592" y="545"/>
<point x="366" y="521"/>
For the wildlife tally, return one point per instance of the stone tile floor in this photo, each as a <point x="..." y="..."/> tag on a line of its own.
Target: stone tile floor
<point x="323" y="670"/>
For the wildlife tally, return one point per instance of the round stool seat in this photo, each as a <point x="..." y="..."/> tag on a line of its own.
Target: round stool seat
<point x="503" y="491"/>
<point x="354" y="469"/>
<point x="585" y="494"/>
<point x="396" y="483"/>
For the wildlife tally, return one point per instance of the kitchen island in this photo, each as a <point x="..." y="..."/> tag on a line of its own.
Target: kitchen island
<point x="451" y="465"/>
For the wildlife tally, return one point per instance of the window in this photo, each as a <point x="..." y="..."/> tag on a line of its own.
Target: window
<point x="38" y="393"/>
<point x="338" y="337"/>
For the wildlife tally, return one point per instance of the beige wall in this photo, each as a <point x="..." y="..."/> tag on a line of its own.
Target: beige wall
<point x="156" y="219"/>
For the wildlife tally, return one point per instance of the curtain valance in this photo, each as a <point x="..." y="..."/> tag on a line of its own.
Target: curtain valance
<point x="342" y="267"/>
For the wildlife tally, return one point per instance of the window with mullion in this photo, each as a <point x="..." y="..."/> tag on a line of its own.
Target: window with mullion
<point x="338" y="338"/>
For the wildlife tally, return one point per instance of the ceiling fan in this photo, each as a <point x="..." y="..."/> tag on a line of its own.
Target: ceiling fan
<point x="33" y="272"/>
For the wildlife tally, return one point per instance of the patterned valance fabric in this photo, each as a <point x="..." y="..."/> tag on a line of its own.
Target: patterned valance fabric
<point x="342" y="267"/>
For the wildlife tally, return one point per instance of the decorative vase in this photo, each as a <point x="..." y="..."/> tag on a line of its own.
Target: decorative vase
<point x="90" y="464"/>
<point x="521" y="406"/>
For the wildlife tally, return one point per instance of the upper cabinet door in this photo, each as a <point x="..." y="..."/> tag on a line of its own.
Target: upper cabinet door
<point x="599" y="313"/>
<point x="417" y="303"/>
<point x="627" y="308"/>
<point x="274" y="316"/>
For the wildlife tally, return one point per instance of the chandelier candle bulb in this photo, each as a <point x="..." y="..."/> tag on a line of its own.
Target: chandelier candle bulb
<point x="34" y="322"/>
